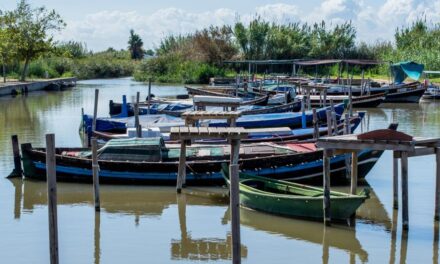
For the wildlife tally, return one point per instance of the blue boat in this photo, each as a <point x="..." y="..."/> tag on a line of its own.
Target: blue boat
<point x="165" y="122"/>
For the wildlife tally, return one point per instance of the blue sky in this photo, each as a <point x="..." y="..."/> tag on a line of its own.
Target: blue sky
<point x="102" y="24"/>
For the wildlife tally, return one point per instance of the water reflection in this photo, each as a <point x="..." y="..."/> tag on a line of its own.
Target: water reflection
<point x="202" y="248"/>
<point x="339" y="237"/>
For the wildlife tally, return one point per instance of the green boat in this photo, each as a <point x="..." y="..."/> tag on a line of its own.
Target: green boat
<point x="293" y="199"/>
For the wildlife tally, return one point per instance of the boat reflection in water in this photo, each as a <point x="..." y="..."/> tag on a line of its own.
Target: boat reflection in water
<point x="137" y="201"/>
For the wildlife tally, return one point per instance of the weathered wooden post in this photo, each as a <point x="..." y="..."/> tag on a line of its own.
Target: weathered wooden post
<point x="149" y="96"/>
<point x="395" y="180"/>
<point x="181" y="172"/>
<point x="437" y="184"/>
<point x="95" y="170"/>
<point x="347" y="131"/>
<point x="95" y="111"/>
<point x="325" y="97"/>
<point x="235" y="201"/>
<point x="329" y="122"/>
<point x="52" y="197"/>
<point x="350" y="101"/>
<point x="404" y="164"/>
<point x="303" y="111"/>
<point x="326" y="185"/>
<point x="334" y="123"/>
<point x="354" y="172"/>
<point x="136" y="116"/>
<point x="315" y="124"/>
<point x="308" y="99"/>
<point x="17" y="160"/>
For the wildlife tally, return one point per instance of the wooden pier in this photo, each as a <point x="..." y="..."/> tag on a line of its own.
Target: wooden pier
<point x="403" y="147"/>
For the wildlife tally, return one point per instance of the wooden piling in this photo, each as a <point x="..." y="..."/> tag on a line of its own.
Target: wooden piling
<point x="52" y="198"/>
<point x="437" y="185"/>
<point x="325" y="97"/>
<point x="334" y="124"/>
<point x="350" y="101"/>
<point x="404" y="176"/>
<point x="315" y="124"/>
<point x="16" y="154"/>
<point x="136" y="116"/>
<point x="326" y="185"/>
<point x="303" y="113"/>
<point x="149" y="96"/>
<point x="329" y="122"/>
<point x="308" y="100"/>
<point x="354" y="172"/>
<point x="347" y="131"/>
<point x="95" y="111"/>
<point x="395" y="180"/>
<point x="95" y="169"/>
<point x="235" y="201"/>
<point x="181" y="173"/>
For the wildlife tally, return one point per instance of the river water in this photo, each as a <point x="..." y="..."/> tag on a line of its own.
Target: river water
<point x="142" y="224"/>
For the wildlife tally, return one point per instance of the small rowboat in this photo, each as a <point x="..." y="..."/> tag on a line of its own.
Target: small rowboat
<point x="293" y="199"/>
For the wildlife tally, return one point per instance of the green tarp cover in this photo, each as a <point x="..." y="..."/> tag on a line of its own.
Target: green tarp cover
<point x="405" y="69"/>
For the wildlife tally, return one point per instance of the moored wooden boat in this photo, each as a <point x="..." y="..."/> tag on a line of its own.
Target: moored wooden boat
<point x="293" y="199"/>
<point x="141" y="165"/>
<point x="363" y="101"/>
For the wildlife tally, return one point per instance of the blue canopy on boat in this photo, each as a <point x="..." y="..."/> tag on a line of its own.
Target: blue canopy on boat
<point x="405" y="69"/>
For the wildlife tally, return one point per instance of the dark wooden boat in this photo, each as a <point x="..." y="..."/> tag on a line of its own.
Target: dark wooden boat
<point x="293" y="199"/>
<point x="292" y="161"/>
<point x="364" y="101"/>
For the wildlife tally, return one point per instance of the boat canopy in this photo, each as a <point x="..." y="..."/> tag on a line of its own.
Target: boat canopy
<point x="139" y="149"/>
<point x="405" y="69"/>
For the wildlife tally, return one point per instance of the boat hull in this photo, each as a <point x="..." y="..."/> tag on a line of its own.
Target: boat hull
<point x="301" y="167"/>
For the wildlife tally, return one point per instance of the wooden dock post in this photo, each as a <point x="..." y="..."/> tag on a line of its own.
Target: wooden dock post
<point x="404" y="166"/>
<point x="308" y="99"/>
<point x="329" y="122"/>
<point x="395" y="180"/>
<point x="350" y="101"/>
<point x="437" y="184"/>
<point x="303" y="113"/>
<point x="136" y="116"/>
<point x="95" y="111"/>
<point x="315" y="124"/>
<point x="235" y="201"/>
<point x="52" y="197"/>
<point x="95" y="169"/>
<point x="181" y="172"/>
<point x="149" y="96"/>
<point x="17" y="160"/>
<point x="325" y="97"/>
<point x="326" y="185"/>
<point x="334" y="123"/>
<point x="347" y="131"/>
<point x="354" y="172"/>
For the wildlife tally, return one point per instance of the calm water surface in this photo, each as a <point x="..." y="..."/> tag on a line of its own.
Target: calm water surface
<point x="141" y="224"/>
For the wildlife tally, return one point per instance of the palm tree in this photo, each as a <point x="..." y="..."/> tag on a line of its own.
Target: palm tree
<point x="135" y="46"/>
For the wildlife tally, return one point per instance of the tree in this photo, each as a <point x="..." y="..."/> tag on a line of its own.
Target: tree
<point x="32" y="28"/>
<point x="7" y="45"/>
<point x="135" y="46"/>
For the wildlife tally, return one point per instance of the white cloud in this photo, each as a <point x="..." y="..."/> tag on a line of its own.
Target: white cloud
<point x="110" y="28"/>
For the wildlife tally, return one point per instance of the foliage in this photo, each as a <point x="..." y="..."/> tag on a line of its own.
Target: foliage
<point x="71" y="49"/>
<point x="32" y="28"/>
<point x="135" y="46"/>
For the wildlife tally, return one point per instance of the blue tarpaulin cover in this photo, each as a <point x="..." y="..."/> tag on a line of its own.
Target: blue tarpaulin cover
<point x="405" y="69"/>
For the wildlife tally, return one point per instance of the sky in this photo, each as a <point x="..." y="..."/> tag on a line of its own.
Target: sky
<point x="106" y="23"/>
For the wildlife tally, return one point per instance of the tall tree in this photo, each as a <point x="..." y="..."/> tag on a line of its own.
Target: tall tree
<point x="33" y="28"/>
<point x="135" y="46"/>
<point x="7" y="45"/>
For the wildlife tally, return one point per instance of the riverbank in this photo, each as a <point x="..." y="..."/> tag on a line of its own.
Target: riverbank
<point x="16" y="87"/>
